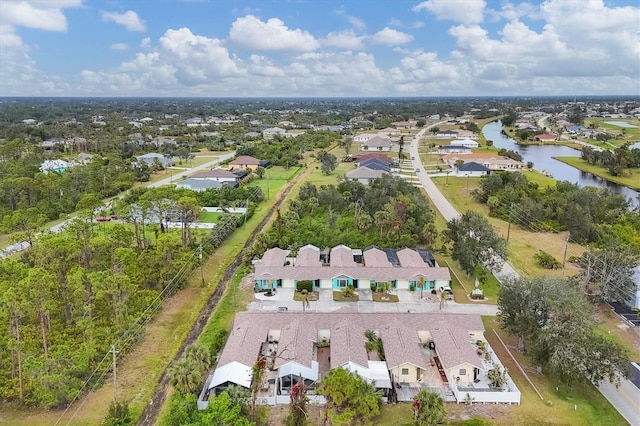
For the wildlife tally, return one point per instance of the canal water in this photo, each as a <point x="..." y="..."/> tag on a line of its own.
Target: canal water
<point x="541" y="157"/>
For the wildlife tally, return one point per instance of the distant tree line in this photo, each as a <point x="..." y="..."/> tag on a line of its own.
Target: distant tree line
<point x="617" y="161"/>
<point x="591" y="215"/>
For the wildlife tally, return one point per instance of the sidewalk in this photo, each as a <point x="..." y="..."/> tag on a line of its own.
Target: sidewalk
<point x="408" y="302"/>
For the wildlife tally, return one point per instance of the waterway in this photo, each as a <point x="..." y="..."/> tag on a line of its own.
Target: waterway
<point x="541" y="157"/>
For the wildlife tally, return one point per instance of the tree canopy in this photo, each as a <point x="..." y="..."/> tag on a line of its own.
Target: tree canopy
<point x="476" y="242"/>
<point x="350" y="398"/>
<point x="555" y="324"/>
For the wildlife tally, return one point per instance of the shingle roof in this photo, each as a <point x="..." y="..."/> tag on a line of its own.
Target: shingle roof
<point x="398" y="331"/>
<point x="410" y="258"/>
<point x="308" y="256"/>
<point x="245" y="160"/>
<point x="341" y="256"/>
<point x="365" y="173"/>
<point x="472" y="166"/>
<point x="215" y="173"/>
<point x="376" y="257"/>
<point x="378" y="141"/>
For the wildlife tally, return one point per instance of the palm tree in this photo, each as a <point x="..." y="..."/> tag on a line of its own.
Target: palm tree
<point x="428" y="409"/>
<point x="183" y="375"/>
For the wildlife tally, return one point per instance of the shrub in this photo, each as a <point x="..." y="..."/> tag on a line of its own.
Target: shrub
<point x="546" y="261"/>
<point x="305" y="285"/>
<point x="412" y="287"/>
<point x="433" y="291"/>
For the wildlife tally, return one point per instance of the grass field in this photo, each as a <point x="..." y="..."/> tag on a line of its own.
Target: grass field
<point x="522" y="244"/>
<point x="632" y="181"/>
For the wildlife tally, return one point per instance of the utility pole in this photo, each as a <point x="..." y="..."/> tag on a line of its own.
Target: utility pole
<point x="564" y="256"/>
<point x="509" y="226"/>
<point x="114" y="353"/>
<point x="201" y="271"/>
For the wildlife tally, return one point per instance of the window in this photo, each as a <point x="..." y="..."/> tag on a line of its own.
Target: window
<point x="342" y="282"/>
<point x="405" y="372"/>
<point x="463" y="371"/>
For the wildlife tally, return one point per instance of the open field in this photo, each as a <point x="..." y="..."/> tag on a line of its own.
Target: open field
<point x="632" y="181"/>
<point x="522" y="244"/>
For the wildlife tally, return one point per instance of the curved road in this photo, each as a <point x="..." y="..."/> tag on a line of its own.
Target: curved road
<point x="23" y="245"/>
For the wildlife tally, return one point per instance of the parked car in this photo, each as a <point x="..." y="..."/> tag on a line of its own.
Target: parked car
<point x="103" y="218"/>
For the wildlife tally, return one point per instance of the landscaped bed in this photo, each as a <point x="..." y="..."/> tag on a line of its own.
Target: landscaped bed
<point x="384" y="297"/>
<point x="339" y="296"/>
<point x="299" y="297"/>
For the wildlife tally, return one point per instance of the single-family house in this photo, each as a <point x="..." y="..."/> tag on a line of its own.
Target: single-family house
<point x="389" y="131"/>
<point x="200" y="185"/>
<point x="273" y="131"/>
<point x="247" y="162"/>
<point x="363" y="137"/>
<point x="487" y="159"/>
<point x="365" y="175"/>
<point x="217" y="174"/>
<point x="51" y="143"/>
<point x="465" y="142"/>
<point x="363" y="156"/>
<point x="375" y="164"/>
<point x="454" y="149"/>
<point x="472" y="169"/>
<point x="377" y="143"/>
<point x="466" y="134"/>
<point x="545" y="137"/>
<point x="57" y="166"/>
<point x="443" y="134"/>
<point x="163" y="141"/>
<point x="152" y="157"/>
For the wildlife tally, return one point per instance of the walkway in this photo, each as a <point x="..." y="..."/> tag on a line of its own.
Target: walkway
<point x="409" y="301"/>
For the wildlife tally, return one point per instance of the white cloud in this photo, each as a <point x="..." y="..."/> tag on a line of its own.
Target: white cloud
<point x="145" y="43"/>
<point x="40" y="15"/>
<point x="251" y="33"/>
<point x="357" y="23"/>
<point x="391" y="37"/>
<point x="344" y="40"/>
<point x="465" y="11"/>
<point x="129" y="19"/>
<point x="119" y="46"/>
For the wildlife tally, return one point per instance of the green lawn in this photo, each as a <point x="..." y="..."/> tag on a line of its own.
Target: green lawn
<point x="210" y="217"/>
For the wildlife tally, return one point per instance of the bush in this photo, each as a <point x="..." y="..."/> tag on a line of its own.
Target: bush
<point x="433" y="291"/>
<point x="412" y="287"/>
<point x="546" y="261"/>
<point x="305" y="285"/>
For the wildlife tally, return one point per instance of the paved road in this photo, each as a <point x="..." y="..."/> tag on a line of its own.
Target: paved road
<point x="23" y="245"/>
<point x="439" y="201"/>
<point x="625" y="399"/>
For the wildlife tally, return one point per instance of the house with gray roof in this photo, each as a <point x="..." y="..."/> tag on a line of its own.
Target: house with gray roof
<point x="378" y="143"/>
<point x="343" y="267"/>
<point x="365" y="175"/>
<point x="151" y="157"/>
<point x="217" y="174"/>
<point x="200" y="185"/>
<point x="472" y="169"/>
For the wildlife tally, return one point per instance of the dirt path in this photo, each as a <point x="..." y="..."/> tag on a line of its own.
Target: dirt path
<point x="151" y="412"/>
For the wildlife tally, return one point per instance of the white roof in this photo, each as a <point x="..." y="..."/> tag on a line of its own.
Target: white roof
<point x="293" y="368"/>
<point x="234" y="372"/>
<point x="375" y="372"/>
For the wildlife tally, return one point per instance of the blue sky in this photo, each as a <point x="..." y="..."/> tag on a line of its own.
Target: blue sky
<point x="221" y="48"/>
